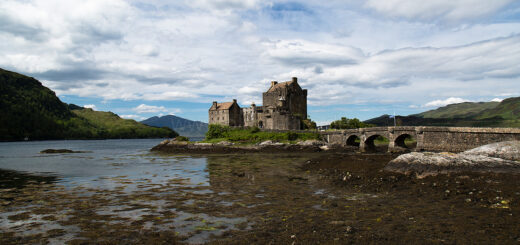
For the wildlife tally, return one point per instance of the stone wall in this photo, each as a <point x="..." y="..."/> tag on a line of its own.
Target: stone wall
<point x="235" y="116"/>
<point x="456" y="139"/>
<point x="452" y="139"/>
<point x="219" y="117"/>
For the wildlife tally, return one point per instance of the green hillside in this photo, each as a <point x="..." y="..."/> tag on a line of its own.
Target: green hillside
<point x="480" y="114"/>
<point x="507" y="109"/>
<point x="30" y="110"/>
<point x="460" y="110"/>
<point x="110" y="125"/>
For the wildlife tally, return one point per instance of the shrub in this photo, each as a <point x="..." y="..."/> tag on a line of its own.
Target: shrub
<point x="216" y="131"/>
<point x="182" y="138"/>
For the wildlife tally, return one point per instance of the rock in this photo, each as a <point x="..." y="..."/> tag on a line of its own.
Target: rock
<point x="481" y="159"/>
<point x="311" y="142"/>
<point x="267" y="142"/>
<point x="51" y="151"/>
<point x="174" y="142"/>
<point x="337" y="222"/>
<point x="164" y="142"/>
<point x="509" y="150"/>
<point x="203" y="144"/>
<point x="324" y="147"/>
<point x="270" y="142"/>
<point x="349" y="230"/>
<point x="225" y="143"/>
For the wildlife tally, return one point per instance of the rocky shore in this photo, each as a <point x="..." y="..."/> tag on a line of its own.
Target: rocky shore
<point x="502" y="157"/>
<point x="173" y="146"/>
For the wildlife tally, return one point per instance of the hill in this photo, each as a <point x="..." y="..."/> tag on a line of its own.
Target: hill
<point x="507" y="109"/>
<point x="30" y="110"/>
<point x="181" y="125"/>
<point x="460" y="110"/>
<point x="110" y="125"/>
<point x="468" y="114"/>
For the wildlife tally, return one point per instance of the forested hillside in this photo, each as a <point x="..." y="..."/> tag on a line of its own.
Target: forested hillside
<point x="29" y="110"/>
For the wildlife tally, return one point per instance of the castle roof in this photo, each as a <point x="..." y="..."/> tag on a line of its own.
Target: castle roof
<point x="222" y="106"/>
<point x="281" y="86"/>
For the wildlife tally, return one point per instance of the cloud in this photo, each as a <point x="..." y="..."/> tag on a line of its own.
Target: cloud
<point x="448" y="101"/>
<point x="200" y="51"/>
<point x="301" y="52"/>
<point x="91" y="106"/>
<point x="496" y="100"/>
<point x="135" y="117"/>
<point x="142" y="108"/>
<point x="434" y="9"/>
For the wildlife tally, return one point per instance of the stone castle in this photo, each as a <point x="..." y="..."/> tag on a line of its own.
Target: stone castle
<point x="284" y="107"/>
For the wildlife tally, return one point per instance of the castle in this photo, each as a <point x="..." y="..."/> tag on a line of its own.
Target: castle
<point x="284" y="107"/>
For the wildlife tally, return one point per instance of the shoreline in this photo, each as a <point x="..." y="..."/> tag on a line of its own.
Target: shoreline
<point x="228" y="148"/>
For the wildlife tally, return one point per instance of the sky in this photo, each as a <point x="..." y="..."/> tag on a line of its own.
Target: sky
<point x="357" y="58"/>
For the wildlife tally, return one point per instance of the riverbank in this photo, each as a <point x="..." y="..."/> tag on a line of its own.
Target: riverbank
<point x="225" y="147"/>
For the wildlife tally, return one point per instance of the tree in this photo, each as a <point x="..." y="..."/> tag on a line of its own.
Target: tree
<point x="346" y="123"/>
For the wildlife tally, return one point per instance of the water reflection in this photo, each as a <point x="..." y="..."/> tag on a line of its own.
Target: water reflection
<point x="127" y="193"/>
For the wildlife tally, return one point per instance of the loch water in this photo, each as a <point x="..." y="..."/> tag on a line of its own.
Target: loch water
<point x="115" y="189"/>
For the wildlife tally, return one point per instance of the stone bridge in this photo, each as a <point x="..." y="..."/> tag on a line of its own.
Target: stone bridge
<point x="451" y="139"/>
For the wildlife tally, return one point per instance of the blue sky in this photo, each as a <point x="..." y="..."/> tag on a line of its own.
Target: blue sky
<point x="356" y="58"/>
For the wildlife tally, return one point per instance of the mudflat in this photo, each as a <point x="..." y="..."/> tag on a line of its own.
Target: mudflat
<point x="271" y="199"/>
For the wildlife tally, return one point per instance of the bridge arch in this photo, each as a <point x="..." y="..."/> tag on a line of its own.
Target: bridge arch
<point x="370" y="142"/>
<point x="353" y="140"/>
<point x="400" y="141"/>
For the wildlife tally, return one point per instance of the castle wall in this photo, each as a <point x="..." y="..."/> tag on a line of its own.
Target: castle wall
<point x="250" y="117"/>
<point x="235" y="116"/>
<point x="219" y="117"/>
<point x="297" y="103"/>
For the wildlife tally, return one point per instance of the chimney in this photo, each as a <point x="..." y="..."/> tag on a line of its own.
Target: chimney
<point x="295" y="79"/>
<point x="273" y="83"/>
<point x="234" y="100"/>
<point x="215" y="104"/>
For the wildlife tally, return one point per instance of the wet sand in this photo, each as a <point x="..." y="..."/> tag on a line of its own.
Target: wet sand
<point x="268" y="199"/>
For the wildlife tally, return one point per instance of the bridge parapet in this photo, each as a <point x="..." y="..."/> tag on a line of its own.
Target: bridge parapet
<point x="453" y="139"/>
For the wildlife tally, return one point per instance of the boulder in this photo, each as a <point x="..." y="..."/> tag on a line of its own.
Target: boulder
<point x="267" y="142"/>
<point x="311" y="143"/>
<point x="174" y="142"/>
<point x="52" y="151"/>
<point x="497" y="157"/>
<point x="509" y="150"/>
<point x="225" y="143"/>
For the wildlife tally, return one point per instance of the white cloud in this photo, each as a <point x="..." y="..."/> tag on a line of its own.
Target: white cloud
<point x="448" y="101"/>
<point x="305" y="52"/>
<point x="496" y="100"/>
<point x="432" y="9"/>
<point x="197" y="51"/>
<point x="91" y="106"/>
<point x="135" y="117"/>
<point x="142" y="108"/>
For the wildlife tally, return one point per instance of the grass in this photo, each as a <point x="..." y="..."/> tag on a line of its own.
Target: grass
<point x="218" y="133"/>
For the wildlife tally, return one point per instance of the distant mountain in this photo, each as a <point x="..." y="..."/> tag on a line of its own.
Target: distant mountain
<point x="29" y="110"/>
<point x="468" y="114"/>
<point x="181" y="125"/>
